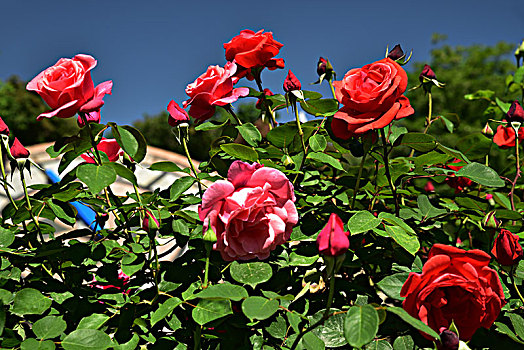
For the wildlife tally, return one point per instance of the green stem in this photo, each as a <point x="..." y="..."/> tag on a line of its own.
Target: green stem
<point x="29" y="207"/>
<point x="92" y="138"/>
<point x="332" y="89"/>
<point x="186" y="151"/>
<point x="4" y="178"/>
<point x="325" y="316"/>
<point x="198" y="334"/>
<point x="299" y="126"/>
<point x="388" y="175"/>
<point x="357" y="185"/>
<point x="229" y="108"/>
<point x="206" y="271"/>
<point x="515" y="285"/>
<point x="517" y="175"/>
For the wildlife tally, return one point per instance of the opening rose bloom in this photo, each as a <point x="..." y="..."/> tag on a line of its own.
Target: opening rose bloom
<point x="251" y="213"/>
<point x="254" y="50"/>
<point x="109" y="146"/>
<point x="211" y="89"/>
<point x="455" y="285"/>
<point x="67" y="87"/>
<point x="371" y="97"/>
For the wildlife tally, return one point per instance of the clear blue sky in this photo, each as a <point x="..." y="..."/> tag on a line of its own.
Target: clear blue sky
<point x="153" y="49"/>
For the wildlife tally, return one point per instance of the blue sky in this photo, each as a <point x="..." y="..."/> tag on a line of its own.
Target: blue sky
<point x="153" y="49"/>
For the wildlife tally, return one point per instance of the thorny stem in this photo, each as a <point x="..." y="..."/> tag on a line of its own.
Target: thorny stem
<point x="186" y="151"/>
<point x="325" y="316"/>
<point x="357" y="185"/>
<point x="388" y="175"/>
<point x="29" y="207"/>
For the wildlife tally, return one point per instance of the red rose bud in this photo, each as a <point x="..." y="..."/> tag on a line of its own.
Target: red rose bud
<point x="427" y="73"/>
<point x="291" y="83"/>
<point x="515" y="112"/>
<point x="93" y="117"/>
<point x="18" y="151"/>
<point x="333" y="240"/>
<point x="4" y="129"/>
<point x="396" y="53"/>
<point x="322" y="66"/>
<point x="448" y="340"/>
<point x="267" y="92"/>
<point x="429" y="187"/>
<point x="487" y="131"/>
<point x="507" y="249"/>
<point x="150" y="222"/>
<point x="177" y="115"/>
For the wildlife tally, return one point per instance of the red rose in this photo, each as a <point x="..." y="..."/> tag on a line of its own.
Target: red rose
<point x="177" y="115"/>
<point x="507" y="249"/>
<point x="515" y="112"/>
<point x="251" y="213"/>
<point x="4" y="129"/>
<point x="505" y="136"/>
<point x="67" y="87"/>
<point x="211" y="89"/>
<point x="291" y="82"/>
<point x="459" y="183"/>
<point x="18" y="150"/>
<point x="371" y="97"/>
<point x="109" y="146"/>
<point x="333" y="240"/>
<point x="455" y="286"/>
<point x="250" y="49"/>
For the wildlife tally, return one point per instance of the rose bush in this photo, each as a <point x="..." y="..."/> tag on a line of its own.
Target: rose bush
<point x="455" y="286"/>
<point x="251" y="212"/>
<point x="211" y="89"/>
<point x="67" y="87"/>
<point x="372" y="97"/>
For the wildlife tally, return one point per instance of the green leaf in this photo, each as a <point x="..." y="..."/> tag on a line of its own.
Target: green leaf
<point x="481" y="174"/>
<point x="6" y="237"/>
<point x="312" y="342"/>
<point x="208" y="310"/>
<point x="131" y="141"/>
<point x="240" y="151"/>
<point x="312" y="95"/>
<point x="418" y="141"/>
<point x="404" y="239"/>
<point x="96" y="177"/>
<point x="180" y="186"/>
<point x="480" y="94"/>
<point x="361" y="325"/>
<point x="93" y="321"/>
<point x="326" y="159"/>
<point x="2" y="319"/>
<point x="418" y="324"/>
<point x="61" y="297"/>
<point x="164" y="310"/>
<point x="518" y="77"/>
<point x="504" y="106"/>
<point x="447" y="123"/>
<point x="317" y="143"/>
<point x="362" y="221"/>
<point x="332" y="331"/>
<point x="321" y="107"/>
<point x="278" y="328"/>
<point x="427" y="210"/>
<point x="250" y="134"/>
<point x="210" y="125"/>
<point x="502" y="328"/>
<point x="259" y="308"/>
<point x="404" y="342"/>
<point x="300" y="260"/>
<point x="86" y="339"/>
<point x="49" y="327"/>
<point x="475" y="146"/>
<point x="63" y="211"/>
<point x="282" y="136"/>
<point x="379" y="345"/>
<point x="168" y="167"/>
<point x="392" y="219"/>
<point x="130" y="345"/>
<point x="30" y="301"/>
<point x="223" y="291"/>
<point x="518" y="324"/>
<point x="123" y="172"/>
<point x="33" y="344"/>
<point x="396" y="132"/>
<point x="250" y="273"/>
<point x="392" y="284"/>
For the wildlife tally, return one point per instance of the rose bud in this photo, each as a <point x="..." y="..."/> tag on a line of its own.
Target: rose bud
<point x="93" y="117"/>
<point x="321" y="66"/>
<point x="448" y="340"/>
<point x="507" y="249"/>
<point x="18" y="151"/>
<point x="267" y="92"/>
<point x="4" y="129"/>
<point x="150" y="222"/>
<point x="397" y="53"/>
<point x="515" y="112"/>
<point x="426" y="74"/>
<point x="429" y="187"/>
<point x="333" y="240"/>
<point x="177" y="115"/>
<point x="291" y="83"/>
<point x="487" y="131"/>
<point x="490" y="220"/>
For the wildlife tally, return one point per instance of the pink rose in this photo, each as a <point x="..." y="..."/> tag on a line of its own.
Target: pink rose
<point x="333" y="240"/>
<point x="251" y="212"/>
<point x="110" y="147"/>
<point x="67" y="87"/>
<point x="177" y="115"/>
<point x="18" y="150"/>
<point x="211" y="89"/>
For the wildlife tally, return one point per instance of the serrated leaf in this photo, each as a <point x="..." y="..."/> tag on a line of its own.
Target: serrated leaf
<point x="259" y="308"/>
<point x="427" y="210"/>
<point x="208" y="310"/>
<point x="320" y="107"/>
<point x="362" y="221"/>
<point x="317" y="143"/>
<point x="223" y="291"/>
<point x="180" y="186"/>
<point x="326" y="159"/>
<point x="93" y="321"/>
<point x="49" y="327"/>
<point x="240" y="151"/>
<point x="360" y="325"/>
<point x="481" y="174"/>
<point x="250" y="134"/>
<point x="404" y="239"/>
<point x="250" y="273"/>
<point x="392" y="284"/>
<point x="332" y="331"/>
<point x="86" y="339"/>
<point x="418" y="141"/>
<point x="518" y="324"/>
<point x="404" y="342"/>
<point x="96" y="177"/>
<point x="29" y="301"/>
<point x="131" y="141"/>
<point x="164" y="310"/>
